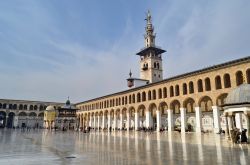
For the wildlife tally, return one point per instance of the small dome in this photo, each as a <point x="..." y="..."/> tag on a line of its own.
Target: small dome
<point x="50" y="108"/>
<point x="240" y="94"/>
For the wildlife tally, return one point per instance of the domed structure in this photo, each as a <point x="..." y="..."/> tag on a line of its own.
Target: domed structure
<point x="50" y="108"/>
<point x="240" y="95"/>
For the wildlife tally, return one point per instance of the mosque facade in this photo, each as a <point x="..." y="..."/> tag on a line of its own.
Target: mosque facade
<point x="191" y="101"/>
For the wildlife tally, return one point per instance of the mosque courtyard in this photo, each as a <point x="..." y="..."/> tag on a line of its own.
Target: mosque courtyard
<point x="45" y="147"/>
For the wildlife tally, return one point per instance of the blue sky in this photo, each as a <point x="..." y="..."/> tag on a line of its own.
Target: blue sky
<point x="52" y="49"/>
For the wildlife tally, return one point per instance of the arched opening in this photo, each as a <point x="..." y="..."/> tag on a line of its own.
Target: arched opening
<point x="248" y="76"/>
<point x="1" y="105"/>
<point x="20" y="107"/>
<point x="129" y="99"/>
<point x="171" y="91"/>
<point x="165" y="92"/>
<point x="207" y="84"/>
<point x="160" y="93"/>
<point x="142" y="116"/>
<point x="239" y="78"/>
<point x="2" y="119"/>
<point x="191" y="87"/>
<point x="184" y="88"/>
<point x="218" y="82"/>
<point x="227" y="81"/>
<point x="163" y="107"/>
<point x="200" y="86"/>
<point x="206" y="104"/>
<point x="177" y="90"/>
<point x="152" y="117"/>
<point x="189" y="104"/>
<point x="10" y="122"/>
<point x="175" y="106"/>
<point x="149" y="95"/>
<point x="133" y="99"/>
<point x="221" y="99"/>
<point x="138" y="97"/>
<point x="31" y="107"/>
<point x="154" y="94"/>
<point x="143" y="96"/>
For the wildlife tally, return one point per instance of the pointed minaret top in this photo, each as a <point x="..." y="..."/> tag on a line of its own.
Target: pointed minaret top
<point x="149" y="20"/>
<point x="130" y="73"/>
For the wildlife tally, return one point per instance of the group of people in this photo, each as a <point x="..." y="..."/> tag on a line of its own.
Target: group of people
<point x="239" y="137"/>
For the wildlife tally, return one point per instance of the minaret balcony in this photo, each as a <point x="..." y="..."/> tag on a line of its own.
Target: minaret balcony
<point x="145" y="68"/>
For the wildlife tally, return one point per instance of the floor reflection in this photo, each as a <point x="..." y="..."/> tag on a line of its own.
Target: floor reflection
<point x="44" y="147"/>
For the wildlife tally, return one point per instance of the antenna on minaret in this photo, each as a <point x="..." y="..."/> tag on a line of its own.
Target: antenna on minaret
<point x="130" y="73"/>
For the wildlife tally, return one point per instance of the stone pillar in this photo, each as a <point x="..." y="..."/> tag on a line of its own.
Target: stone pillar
<point x="121" y="121"/>
<point x="158" y="118"/>
<point x="198" y="119"/>
<point x="128" y="121"/>
<point x="136" y="121"/>
<point x="248" y="127"/>
<point x="230" y="123"/>
<point x="98" y="122"/>
<point x="109" y="121"/>
<point x="227" y="128"/>
<point x="103" y="121"/>
<point x="147" y="119"/>
<point x="94" y="124"/>
<point x="170" y="120"/>
<point x="90" y="121"/>
<point x="238" y="121"/>
<point x="115" y="121"/>
<point x="216" y="117"/>
<point x="183" y="119"/>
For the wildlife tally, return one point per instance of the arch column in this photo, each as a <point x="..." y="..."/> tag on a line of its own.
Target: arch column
<point x="136" y="121"/>
<point x="109" y="121"/>
<point x="128" y="120"/>
<point x="90" y="121"/>
<point x="103" y="121"/>
<point x="158" y="118"/>
<point x="115" y="121"/>
<point x="147" y="119"/>
<point x="94" y="125"/>
<point x="170" y="120"/>
<point x="121" y="120"/>
<point x="183" y="119"/>
<point x="198" y="119"/>
<point x="98" y="122"/>
<point x="238" y="121"/>
<point x="216" y="118"/>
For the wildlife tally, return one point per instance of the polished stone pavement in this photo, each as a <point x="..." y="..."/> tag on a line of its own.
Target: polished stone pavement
<point x="44" y="147"/>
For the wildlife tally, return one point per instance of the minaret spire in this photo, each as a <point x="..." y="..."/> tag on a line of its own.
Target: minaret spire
<point x="149" y="36"/>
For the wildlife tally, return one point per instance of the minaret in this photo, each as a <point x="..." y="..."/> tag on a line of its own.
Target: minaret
<point x="150" y="55"/>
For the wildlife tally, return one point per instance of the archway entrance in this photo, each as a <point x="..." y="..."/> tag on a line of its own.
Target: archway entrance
<point x="10" y="121"/>
<point x="2" y="119"/>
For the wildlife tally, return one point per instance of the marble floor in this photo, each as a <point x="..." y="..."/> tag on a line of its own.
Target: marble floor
<point x="44" y="147"/>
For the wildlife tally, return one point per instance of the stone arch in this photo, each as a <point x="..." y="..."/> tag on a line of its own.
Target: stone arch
<point x="149" y="95"/>
<point x="171" y="91"/>
<point x="189" y="104"/>
<point x="22" y="114"/>
<point x="191" y="87"/>
<point x="227" y="81"/>
<point x="205" y="103"/>
<point x="207" y="84"/>
<point x="159" y="93"/>
<point x="131" y="111"/>
<point x="248" y="76"/>
<point x="152" y="109"/>
<point x="218" y="82"/>
<point x="220" y="100"/>
<point x="177" y="90"/>
<point x="138" y="97"/>
<point x="163" y="107"/>
<point x="154" y="94"/>
<point x="141" y="110"/>
<point x="175" y="105"/>
<point x="184" y="88"/>
<point x="239" y="78"/>
<point x="31" y="107"/>
<point x="200" y="85"/>
<point x="143" y="96"/>
<point x="165" y="92"/>
<point x="32" y="114"/>
<point x="2" y="119"/>
<point x="133" y="98"/>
